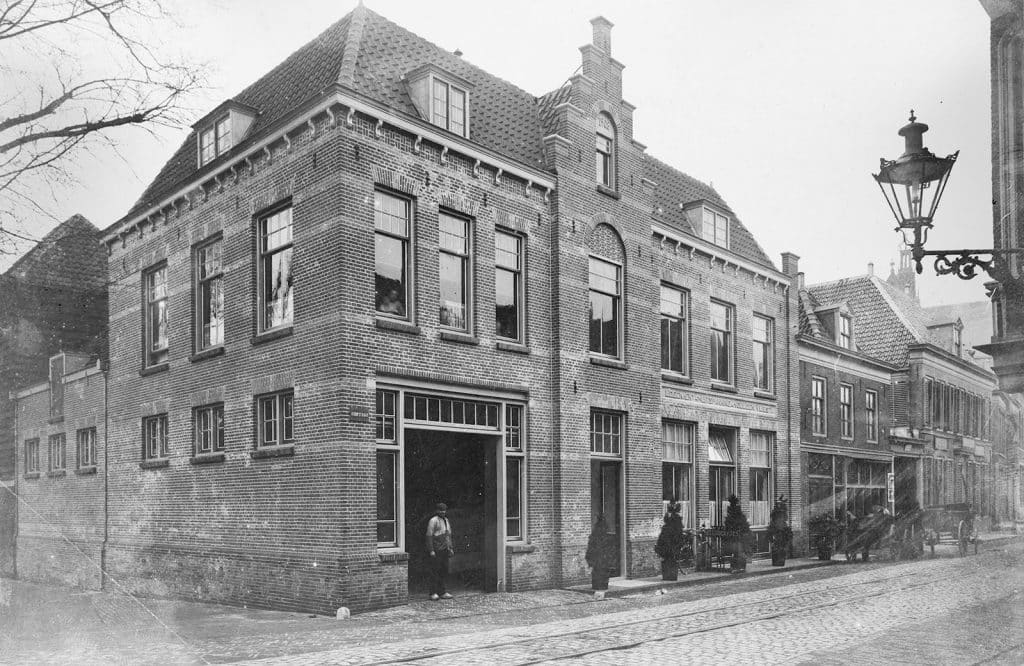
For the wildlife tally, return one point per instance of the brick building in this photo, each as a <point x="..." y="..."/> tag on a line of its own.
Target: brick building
<point x="53" y="298"/>
<point x="379" y="278"/>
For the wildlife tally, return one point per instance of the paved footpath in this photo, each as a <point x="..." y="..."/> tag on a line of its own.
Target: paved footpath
<point x="834" y="614"/>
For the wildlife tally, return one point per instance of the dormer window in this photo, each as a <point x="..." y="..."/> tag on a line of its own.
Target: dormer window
<point x="716" y="227"/>
<point x="222" y="129"/>
<point x="845" y="331"/>
<point x="441" y="98"/>
<point x="215" y="141"/>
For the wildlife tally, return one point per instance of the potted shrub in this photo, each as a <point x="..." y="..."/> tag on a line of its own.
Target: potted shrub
<point x="738" y="526"/>
<point x="780" y="534"/>
<point x="673" y="546"/>
<point x="825" y="530"/>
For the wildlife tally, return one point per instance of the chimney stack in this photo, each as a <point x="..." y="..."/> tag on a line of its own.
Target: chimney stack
<point x="871" y="268"/>
<point x="602" y="34"/>
<point x="790" y="264"/>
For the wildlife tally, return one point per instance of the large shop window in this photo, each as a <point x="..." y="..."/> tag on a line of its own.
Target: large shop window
<point x="721" y="472"/>
<point x="605" y="307"/>
<point x="391" y="219"/>
<point x="677" y="441"/>
<point x="760" y="477"/>
<point x="865" y="486"/>
<point x="674" y="330"/>
<point x="275" y="273"/>
<point x="454" y="269"/>
<point x="508" y="286"/>
<point x="515" y="465"/>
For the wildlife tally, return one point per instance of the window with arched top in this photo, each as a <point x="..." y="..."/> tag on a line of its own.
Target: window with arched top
<point x="605" y="154"/>
<point x="605" y="265"/>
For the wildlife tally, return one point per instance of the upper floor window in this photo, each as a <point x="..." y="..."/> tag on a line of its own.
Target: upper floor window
<point x="209" y="297"/>
<point x="674" y="330"/>
<point x="508" y="285"/>
<point x="275" y="413"/>
<point x="716" y="227"/>
<point x="722" y="320"/>
<point x="58" y="453"/>
<point x="154" y="437"/>
<point x="449" y="108"/>
<point x="605" y="155"/>
<point x="845" y="331"/>
<point x="32" y="456"/>
<point x="275" y="272"/>
<point x="208" y="429"/>
<point x="454" y="270"/>
<point x="818" y="406"/>
<point x="391" y="217"/>
<point x="86" y="447"/>
<point x="764" y="354"/>
<point x="871" y="415"/>
<point x="215" y="140"/>
<point x="846" y="410"/>
<point x="155" y="285"/>
<point x="605" y="307"/>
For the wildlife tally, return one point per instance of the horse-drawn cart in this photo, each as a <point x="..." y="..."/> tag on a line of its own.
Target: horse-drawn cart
<point x="950" y="524"/>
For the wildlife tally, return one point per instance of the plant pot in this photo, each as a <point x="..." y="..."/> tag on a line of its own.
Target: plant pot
<point x="778" y="558"/>
<point x="669" y="570"/>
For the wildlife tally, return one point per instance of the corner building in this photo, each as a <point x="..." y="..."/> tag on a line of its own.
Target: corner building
<point x="379" y="278"/>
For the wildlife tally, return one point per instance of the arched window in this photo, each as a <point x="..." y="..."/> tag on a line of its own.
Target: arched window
<point x="606" y="264"/>
<point x="605" y="155"/>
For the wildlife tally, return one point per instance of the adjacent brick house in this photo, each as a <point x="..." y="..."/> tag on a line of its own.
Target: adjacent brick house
<point x="379" y="278"/>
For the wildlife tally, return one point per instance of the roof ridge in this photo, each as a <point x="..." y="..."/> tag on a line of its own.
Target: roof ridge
<point x="819" y="285"/>
<point x="896" y="309"/>
<point x="683" y="173"/>
<point x="352" y="43"/>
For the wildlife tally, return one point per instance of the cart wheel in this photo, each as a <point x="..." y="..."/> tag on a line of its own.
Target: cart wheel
<point x="962" y="538"/>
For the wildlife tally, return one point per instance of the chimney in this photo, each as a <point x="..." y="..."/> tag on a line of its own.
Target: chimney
<point x="790" y="263"/>
<point x="871" y="268"/>
<point x="602" y="34"/>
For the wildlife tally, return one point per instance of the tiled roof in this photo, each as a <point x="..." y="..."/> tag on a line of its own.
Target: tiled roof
<point x="975" y="316"/>
<point x="673" y="187"/>
<point x="546" y="104"/>
<point x="71" y="256"/>
<point x="807" y="320"/>
<point x="370" y="55"/>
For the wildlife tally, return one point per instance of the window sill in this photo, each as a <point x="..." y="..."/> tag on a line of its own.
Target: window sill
<point x="273" y="334"/>
<point x="392" y="557"/>
<point x="207" y="353"/>
<point x="86" y="471"/>
<point x="765" y="396"/>
<point x="55" y="419"/>
<point x="396" y="325"/>
<point x="520" y="548"/>
<point x="154" y="369"/>
<point x="608" y="362"/>
<point x="609" y="192"/>
<point x="669" y="376"/>
<point x="204" y="458"/>
<point x="156" y="463"/>
<point x="725" y="388"/>
<point x="273" y="452"/>
<point x="461" y="338"/>
<point x="56" y="474"/>
<point x="514" y="347"/>
<point x="31" y="475"/>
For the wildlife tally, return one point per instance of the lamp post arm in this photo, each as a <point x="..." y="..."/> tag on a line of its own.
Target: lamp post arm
<point x="964" y="263"/>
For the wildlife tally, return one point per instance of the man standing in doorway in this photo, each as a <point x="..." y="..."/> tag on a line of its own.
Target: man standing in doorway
<point x="439" y="543"/>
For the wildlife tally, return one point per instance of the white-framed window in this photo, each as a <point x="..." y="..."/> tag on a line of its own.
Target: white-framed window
<point x="449" y="107"/>
<point x="508" y="286"/>
<point x="154" y="437"/>
<point x="454" y="271"/>
<point x="32" y="456"/>
<point x="209" y="296"/>
<point x="760" y="477"/>
<point x="723" y="317"/>
<point x="392" y="226"/>
<point x="818" y="415"/>
<point x="86" y="447"/>
<point x="845" y="331"/>
<point x="846" y="411"/>
<point x="871" y="415"/>
<point x="208" y="428"/>
<point x="675" y="330"/>
<point x="155" y="324"/>
<point x="677" y="442"/>
<point x="715" y="227"/>
<point x="276" y="296"/>
<point x="764" y="353"/>
<point x="389" y="465"/>
<point x="58" y="453"/>
<point x="605" y="153"/>
<point x="605" y="433"/>
<point x="605" y="307"/>
<point x="515" y="473"/>
<point x="215" y="140"/>
<point x="275" y="414"/>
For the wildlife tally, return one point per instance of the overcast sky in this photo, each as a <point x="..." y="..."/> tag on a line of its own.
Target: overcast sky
<point x="785" y="106"/>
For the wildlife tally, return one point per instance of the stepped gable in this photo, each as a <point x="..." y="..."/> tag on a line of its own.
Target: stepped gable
<point x="371" y="56"/>
<point x="673" y="187"/>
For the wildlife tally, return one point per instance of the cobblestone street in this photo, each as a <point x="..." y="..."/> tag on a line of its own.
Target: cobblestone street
<point x="963" y="610"/>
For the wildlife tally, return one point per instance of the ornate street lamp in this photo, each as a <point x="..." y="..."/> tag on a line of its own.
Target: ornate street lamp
<point x="912" y="185"/>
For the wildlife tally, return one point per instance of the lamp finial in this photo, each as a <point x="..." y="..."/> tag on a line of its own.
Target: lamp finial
<point x="912" y="116"/>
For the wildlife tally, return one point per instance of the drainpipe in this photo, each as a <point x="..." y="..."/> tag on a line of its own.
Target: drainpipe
<point x="106" y="467"/>
<point x="790" y="341"/>
<point x="17" y="496"/>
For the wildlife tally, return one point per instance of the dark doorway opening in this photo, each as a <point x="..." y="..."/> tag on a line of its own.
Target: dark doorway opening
<point x="906" y="485"/>
<point x="606" y="498"/>
<point x="454" y="468"/>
